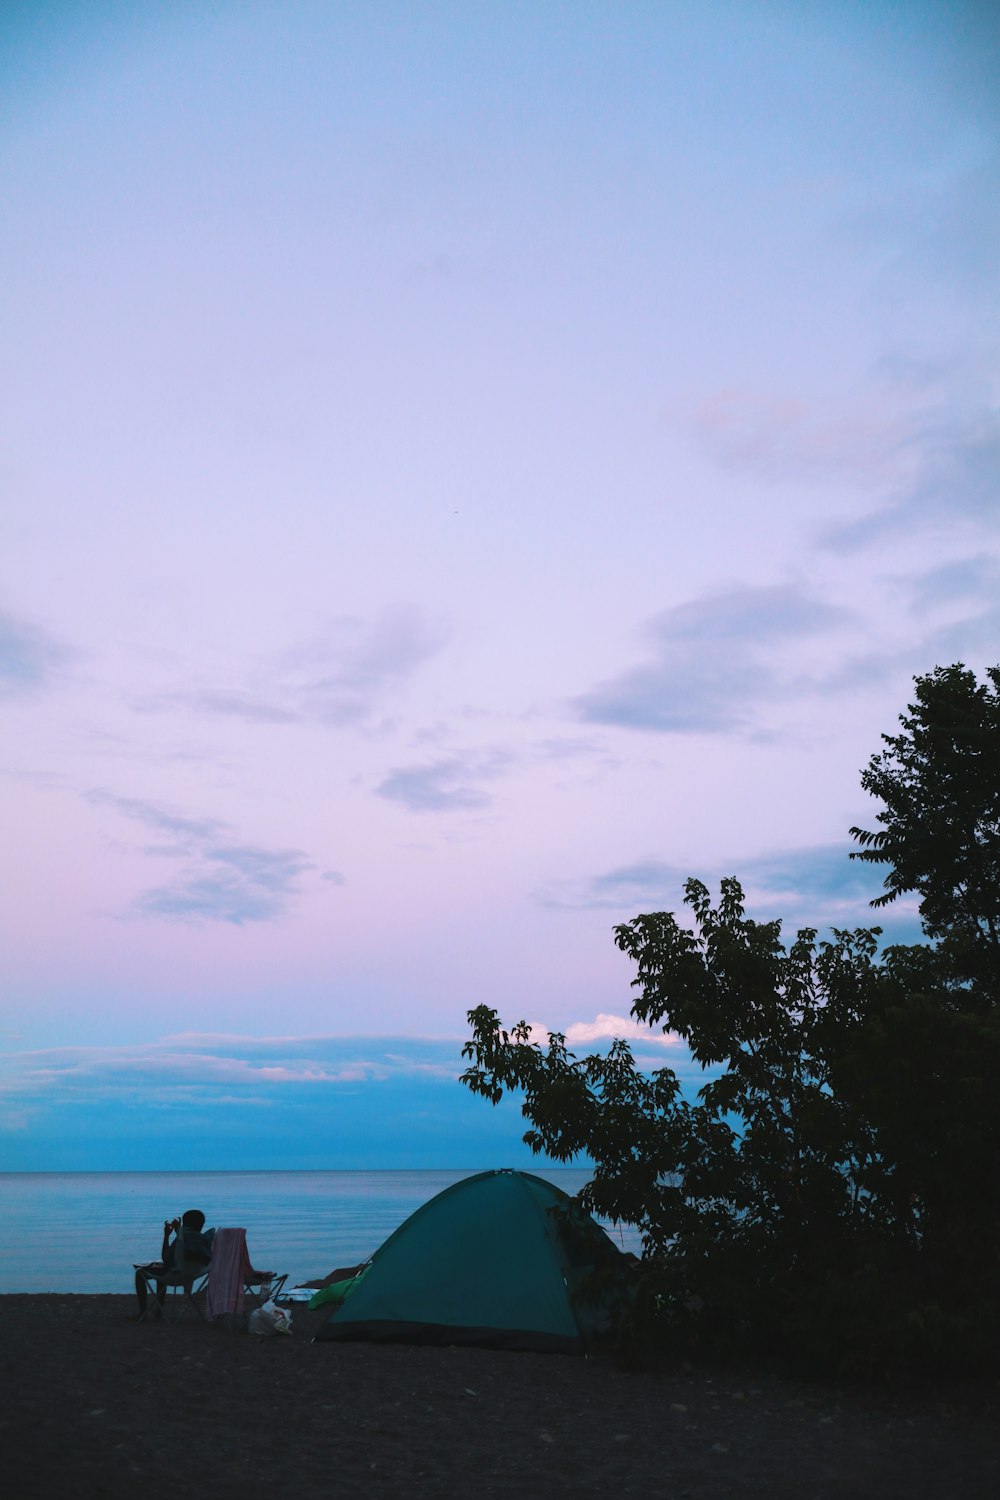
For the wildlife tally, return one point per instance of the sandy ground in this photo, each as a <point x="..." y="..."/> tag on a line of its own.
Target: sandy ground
<point x="93" y="1405"/>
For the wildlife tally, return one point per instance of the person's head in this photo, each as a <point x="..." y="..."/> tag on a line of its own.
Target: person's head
<point x="193" y="1219"/>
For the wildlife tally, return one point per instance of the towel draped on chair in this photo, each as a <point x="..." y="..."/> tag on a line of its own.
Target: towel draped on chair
<point x="230" y="1274"/>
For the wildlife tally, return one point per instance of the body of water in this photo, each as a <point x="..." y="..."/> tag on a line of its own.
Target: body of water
<point x="82" y="1231"/>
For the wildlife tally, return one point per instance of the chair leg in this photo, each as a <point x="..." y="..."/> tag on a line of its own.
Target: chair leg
<point x="168" y="1310"/>
<point x="150" y="1302"/>
<point x="192" y="1297"/>
<point x="179" y="1298"/>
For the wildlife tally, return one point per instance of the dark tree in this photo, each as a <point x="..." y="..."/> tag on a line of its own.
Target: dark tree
<point x="926" y="1062"/>
<point x="939" y="783"/>
<point x="835" y="1187"/>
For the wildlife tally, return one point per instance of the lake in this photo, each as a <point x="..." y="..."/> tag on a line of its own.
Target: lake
<point x="81" y="1231"/>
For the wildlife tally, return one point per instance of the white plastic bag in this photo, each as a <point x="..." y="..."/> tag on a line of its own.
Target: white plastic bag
<point x="270" y="1319"/>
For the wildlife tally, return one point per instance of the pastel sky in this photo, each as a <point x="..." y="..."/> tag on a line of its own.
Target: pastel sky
<point x="465" y="467"/>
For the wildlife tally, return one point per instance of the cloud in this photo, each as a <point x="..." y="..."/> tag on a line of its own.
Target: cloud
<point x="389" y="649"/>
<point x="709" y="666"/>
<point x="860" y="671"/>
<point x="783" y="440"/>
<point x="648" y="1045"/>
<point x="339" y="680"/>
<point x="211" y="1101"/>
<point x="964" y="580"/>
<point x="30" y="660"/>
<point x="962" y="599"/>
<point x="815" y="886"/>
<point x="214" y="1102"/>
<point x="453" y="785"/>
<point x="221" y="880"/>
<point x="647" y="884"/>
<point x="822" y="875"/>
<point x="563" y="747"/>
<point x="217" y="1101"/>
<point x="259" y="891"/>
<point x="609" y="1027"/>
<point x="228" y="703"/>
<point x="179" y="1067"/>
<point x="953" y="455"/>
<point x="924" y="448"/>
<point x="187" y="831"/>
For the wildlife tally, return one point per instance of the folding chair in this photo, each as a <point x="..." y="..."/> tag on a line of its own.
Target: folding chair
<point x="188" y="1276"/>
<point x="233" y="1281"/>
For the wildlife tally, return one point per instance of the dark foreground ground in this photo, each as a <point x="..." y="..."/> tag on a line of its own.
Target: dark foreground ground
<point x="92" y="1405"/>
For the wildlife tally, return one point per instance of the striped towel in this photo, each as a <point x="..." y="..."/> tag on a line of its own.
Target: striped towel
<point x="228" y="1273"/>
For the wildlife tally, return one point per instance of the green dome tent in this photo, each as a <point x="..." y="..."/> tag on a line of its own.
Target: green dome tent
<point x="497" y="1259"/>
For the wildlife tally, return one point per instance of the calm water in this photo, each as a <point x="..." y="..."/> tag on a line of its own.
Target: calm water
<point x="81" y="1231"/>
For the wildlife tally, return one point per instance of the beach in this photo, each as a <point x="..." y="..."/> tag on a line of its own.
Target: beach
<point x="96" y="1406"/>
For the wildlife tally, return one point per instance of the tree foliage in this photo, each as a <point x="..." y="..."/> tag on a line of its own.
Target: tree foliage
<point x="834" y="1188"/>
<point x="939" y="783"/>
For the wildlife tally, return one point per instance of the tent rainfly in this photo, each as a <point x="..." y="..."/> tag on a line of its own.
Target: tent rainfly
<point x="497" y="1260"/>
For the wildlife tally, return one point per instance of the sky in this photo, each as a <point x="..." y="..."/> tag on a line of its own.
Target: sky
<point x="465" y="467"/>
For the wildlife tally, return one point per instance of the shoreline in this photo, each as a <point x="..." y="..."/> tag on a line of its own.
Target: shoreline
<point x="99" y="1406"/>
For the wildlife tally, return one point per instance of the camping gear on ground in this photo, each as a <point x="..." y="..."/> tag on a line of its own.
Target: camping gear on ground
<point x="334" y="1292"/>
<point x="232" y="1279"/>
<point x="270" y="1319"/>
<point x="503" y="1259"/>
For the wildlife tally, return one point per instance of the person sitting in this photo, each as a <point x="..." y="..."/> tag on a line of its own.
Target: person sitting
<point x="197" y="1244"/>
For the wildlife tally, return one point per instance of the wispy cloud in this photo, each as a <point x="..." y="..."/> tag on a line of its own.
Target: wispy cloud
<point x="454" y="785"/>
<point x="368" y="658"/>
<point x="712" y="661"/>
<point x="566" y="748"/>
<point x="178" y="1067"/>
<point x="208" y="1102"/>
<point x="249" y="885"/>
<point x="341" y="679"/>
<point x="783" y="439"/>
<point x="918" y="441"/>
<point x="959" y="604"/>
<point x="221" y="880"/>
<point x="646" y="885"/>
<point x="30" y="659"/>
<point x="231" y="704"/>
<point x="924" y="448"/>
<point x="186" y="831"/>
<point x="822" y="878"/>
<point x="973" y="639"/>
<point x="953" y="458"/>
<point x="226" y="1068"/>
<point x="963" y="581"/>
<point x="817" y="886"/>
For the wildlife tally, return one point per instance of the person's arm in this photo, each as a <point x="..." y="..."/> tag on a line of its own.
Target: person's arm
<point x="169" y="1225"/>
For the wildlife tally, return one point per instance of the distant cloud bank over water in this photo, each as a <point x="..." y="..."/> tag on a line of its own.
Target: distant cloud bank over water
<point x="202" y="1102"/>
